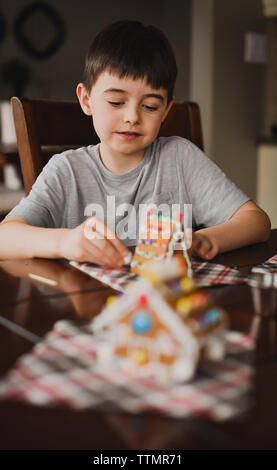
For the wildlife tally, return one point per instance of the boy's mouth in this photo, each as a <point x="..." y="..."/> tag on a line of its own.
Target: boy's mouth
<point x="129" y="134"/>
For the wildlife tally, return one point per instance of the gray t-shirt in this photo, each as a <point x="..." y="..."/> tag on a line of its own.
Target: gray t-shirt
<point x="75" y="184"/>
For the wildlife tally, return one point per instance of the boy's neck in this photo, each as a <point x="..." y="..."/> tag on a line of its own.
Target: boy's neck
<point x="119" y="163"/>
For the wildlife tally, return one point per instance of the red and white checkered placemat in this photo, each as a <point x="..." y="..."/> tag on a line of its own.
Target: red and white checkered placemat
<point x="116" y="278"/>
<point x="205" y="274"/>
<point x="269" y="266"/>
<point x="61" y="371"/>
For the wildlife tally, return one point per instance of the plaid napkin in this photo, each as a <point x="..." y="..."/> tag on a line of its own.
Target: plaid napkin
<point x="62" y="371"/>
<point x="208" y="274"/>
<point x="205" y="274"/>
<point x="269" y="266"/>
<point x="118" y="279"/>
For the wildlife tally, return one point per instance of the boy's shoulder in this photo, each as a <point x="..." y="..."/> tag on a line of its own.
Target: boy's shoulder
<point x="183" y="149"/>
<point x="70" y="158"/>
<point x="176" y="142"/>
<point x="172" y="141"/>
<point x="71" y="154"/>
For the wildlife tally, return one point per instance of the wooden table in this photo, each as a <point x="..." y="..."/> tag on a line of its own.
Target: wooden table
<point x="31" y="308"/>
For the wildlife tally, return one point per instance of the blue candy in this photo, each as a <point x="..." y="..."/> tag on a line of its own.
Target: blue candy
<point x="209" y="317"/>
<point x="141" y="322"/>
<point x="212" y="315"/>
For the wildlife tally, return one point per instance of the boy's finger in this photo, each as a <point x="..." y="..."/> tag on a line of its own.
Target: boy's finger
<point x="108" y="254"/>
<point x="207" y="251"/>
<point x="112" y="238"/>
<point x="196" y="242"/>
<point x="204" y="248"/>
<point x="93" y="229"/>
<point x="117" y="245"/>
<point x="96" y="229"/>
<point x="211" y="253"/>
<point x="201" y="245"/>
<point x="113" y="255"/>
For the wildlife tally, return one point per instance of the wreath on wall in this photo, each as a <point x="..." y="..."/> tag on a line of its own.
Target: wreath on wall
<point x="39" y="30"/>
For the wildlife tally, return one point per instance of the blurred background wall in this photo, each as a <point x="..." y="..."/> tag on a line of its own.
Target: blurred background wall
<point x="57" y="76"/>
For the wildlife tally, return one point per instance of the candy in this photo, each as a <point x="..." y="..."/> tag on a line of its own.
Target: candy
<point x="141" y="322"/>
<point x="140" y="356"/>
<point x="110" y="300"/>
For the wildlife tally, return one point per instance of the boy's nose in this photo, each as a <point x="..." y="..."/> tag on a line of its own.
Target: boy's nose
<point x="131" y="115"/>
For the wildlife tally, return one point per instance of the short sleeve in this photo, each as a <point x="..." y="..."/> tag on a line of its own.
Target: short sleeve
<point x="213" y="196"/>
<point x="45" y="204"/>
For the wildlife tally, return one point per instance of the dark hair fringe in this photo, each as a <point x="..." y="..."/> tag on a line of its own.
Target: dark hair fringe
<point x="130" y="49"/>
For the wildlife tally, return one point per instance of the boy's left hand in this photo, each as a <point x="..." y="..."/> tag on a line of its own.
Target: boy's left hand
<point x="204" y="246"/>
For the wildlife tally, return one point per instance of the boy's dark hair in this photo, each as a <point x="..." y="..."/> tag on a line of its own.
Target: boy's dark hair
<point x="130" y="49"/>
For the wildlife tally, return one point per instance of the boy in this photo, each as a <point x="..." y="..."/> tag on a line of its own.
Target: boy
<point x="128" y="86"/>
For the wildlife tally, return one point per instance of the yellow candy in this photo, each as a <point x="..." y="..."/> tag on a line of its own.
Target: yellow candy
<point x="140" y="356"/>
<point x="183" y="305"/>
<point x="187" y="284"/>
<point x="110" y="300"/>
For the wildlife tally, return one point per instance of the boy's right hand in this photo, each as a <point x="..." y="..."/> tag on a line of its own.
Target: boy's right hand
<point x="94" y="242"/>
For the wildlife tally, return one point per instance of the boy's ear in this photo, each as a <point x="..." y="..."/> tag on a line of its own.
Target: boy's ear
<point x="169" y="106"/>
<point x="83" y="97"/>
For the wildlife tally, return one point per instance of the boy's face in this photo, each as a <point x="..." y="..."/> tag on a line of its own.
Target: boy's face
<point x="127" y="114"/>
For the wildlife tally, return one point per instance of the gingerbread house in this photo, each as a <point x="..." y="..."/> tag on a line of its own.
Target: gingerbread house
<point x="159" y="331"/>
<point x="159" y="237"/>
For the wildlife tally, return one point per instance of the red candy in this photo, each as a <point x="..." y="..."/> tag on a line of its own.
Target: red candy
<point x="142" y="300"/>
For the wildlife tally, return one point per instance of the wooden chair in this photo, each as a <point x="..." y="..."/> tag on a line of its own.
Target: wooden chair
<point x="47" y="127"/>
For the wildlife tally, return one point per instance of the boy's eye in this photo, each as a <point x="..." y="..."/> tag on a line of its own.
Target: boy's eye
<point x="150" y="108"/>
<point x="115" y="103"/>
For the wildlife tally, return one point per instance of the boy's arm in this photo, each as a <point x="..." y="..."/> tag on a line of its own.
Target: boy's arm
<point x="18" y="239"/>
<point x="248" y="225"/>
<point x="90" y="241"/>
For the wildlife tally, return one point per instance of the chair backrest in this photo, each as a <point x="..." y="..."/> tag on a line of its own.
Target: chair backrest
<point x="47" y="127"/>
